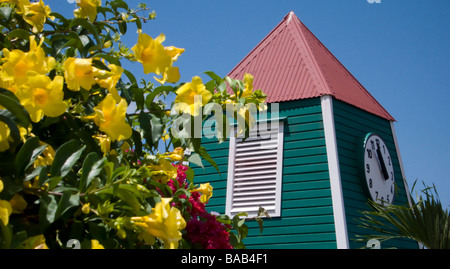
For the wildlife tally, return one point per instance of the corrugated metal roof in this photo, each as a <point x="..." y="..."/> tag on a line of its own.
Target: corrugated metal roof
<point x="290" y="63"/>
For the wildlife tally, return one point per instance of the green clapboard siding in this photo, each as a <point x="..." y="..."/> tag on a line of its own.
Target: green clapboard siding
<point x="306" y="208"/>
<point x="351" y="124"/>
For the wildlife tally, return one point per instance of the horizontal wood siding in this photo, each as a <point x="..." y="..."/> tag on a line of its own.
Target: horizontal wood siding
<point x="306" y="208"/>
<point x="351" y="124"/>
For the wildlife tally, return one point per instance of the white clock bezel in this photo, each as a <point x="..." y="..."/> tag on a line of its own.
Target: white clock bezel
<point x="380" y="189"/>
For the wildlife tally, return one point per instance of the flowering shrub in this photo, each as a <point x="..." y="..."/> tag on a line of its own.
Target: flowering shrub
<point x="75" y="164"/>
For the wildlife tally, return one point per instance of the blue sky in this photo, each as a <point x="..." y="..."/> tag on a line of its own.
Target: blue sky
<point x="398" y="49"/>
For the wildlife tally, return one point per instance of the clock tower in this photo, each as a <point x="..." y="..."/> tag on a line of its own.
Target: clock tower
<point x="333" y="147"/>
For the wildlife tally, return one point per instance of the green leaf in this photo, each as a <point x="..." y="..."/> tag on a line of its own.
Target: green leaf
<point x="190" y="174"/>
<point x="210" y="86"/>
<point x="195" y="159"/>
<point x="47" y="211"/>
<point x="218" y="80"/>
<point x="158" y="90"/>
<point x="100" y="65"/>
<point x="7" y="118"/>
<point x="233" y="84"/>
<point x="182" y="191"/>
<point x="152" y="127"/>
<point x="107" y="57"/>
<point x="127" y="193"/>
<point x="19" y="33"/>
<point x="6" y="12"/>
<point x="60" y="17"/>
<point x="86" y="24"/>
<point x="202" y="152"/>
<point x="6" y="236"/>
<point x="130" y="76"/>
<point x="123" y="27"/>
<point x="9" y="101"/>
<point x="28" y="154"/>
<point x="118" y="4"/>
<point x="65" y="158"/>
<point x="92" y="166"/>
<point x="68" y="201"/>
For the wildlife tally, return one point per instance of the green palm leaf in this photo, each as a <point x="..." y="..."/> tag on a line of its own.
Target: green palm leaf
<point x="425" y="221"/>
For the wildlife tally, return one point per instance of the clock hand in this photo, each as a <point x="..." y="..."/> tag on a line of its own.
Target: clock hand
<point x="383" y="165"/>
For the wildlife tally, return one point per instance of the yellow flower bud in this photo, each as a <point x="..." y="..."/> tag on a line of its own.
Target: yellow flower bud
<point x="86" y="208"/>
<point x="107" y="44"/>
<point x="5" y="211"/>
<point x="96" y="245"/>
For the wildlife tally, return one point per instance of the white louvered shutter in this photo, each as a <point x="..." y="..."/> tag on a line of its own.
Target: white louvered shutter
<point x="254" y="171"/>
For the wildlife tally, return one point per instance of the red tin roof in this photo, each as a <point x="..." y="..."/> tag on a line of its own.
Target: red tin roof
<point x="290" y="63"/>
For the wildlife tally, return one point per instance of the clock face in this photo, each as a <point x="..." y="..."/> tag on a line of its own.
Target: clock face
<point x="378" y="170"/>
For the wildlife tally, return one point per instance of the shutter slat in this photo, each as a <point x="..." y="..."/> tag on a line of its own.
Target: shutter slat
<point x="268" y="176"/>
<point x="254" y="158"/>
<point x="259" y="143"/>
<point x="251" y="161"/>
<point x="244" y="194"/>
<point x="259" y="152"/>
<point x="255" y="168"/>
<point x="255" y="173"/>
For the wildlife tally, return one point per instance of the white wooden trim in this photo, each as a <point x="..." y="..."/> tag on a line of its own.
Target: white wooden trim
<point x="274" y="206"/>
<point x="230" y="175"/>
<point x="279" y="169"/>
<point x="337" y="196"/>
<point x="397" y="149"/>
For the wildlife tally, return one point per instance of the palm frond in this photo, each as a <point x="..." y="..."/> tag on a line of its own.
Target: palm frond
<point x="426" y="221"/>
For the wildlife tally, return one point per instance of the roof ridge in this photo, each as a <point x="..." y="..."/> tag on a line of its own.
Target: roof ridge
<point x="323" y="82"/>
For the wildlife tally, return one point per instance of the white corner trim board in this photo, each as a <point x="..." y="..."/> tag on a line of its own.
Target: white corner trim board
<point x="335" y="174"/>
<point x="397" y="149"/>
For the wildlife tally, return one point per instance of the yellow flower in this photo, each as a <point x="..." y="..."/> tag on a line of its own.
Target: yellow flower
<point x="165" y="170"/>
<point x="164" y="222"/>
<point x="18" y="204"/>
<point x="1" y="185"/>
<point x="177" y="154"/>
<point x="171" y="75"/>
<point x="5" y="211"/>
<point x="206" y="191"/>
<point x="110" y="117"/>
<point x="248" y="84"/>
<point x="79" y="73"/>
<point x="109" y="79"/>
<point x="88" y="8"/>
<point x="4" y="136"/>
<point x="86" y="208"/>
<point x="47" y="158"/>
<point x="96" y="245"/>
<point x="186" y="96"/>
<point x="247" y="115"/>
<point x="105" y="143"/>
<point x="35" y="14"/>
<point x="156" y="58"/>
<point x="42" y="96"/>
<point x="151" y="53"/>
<point x="17" y="64"/>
